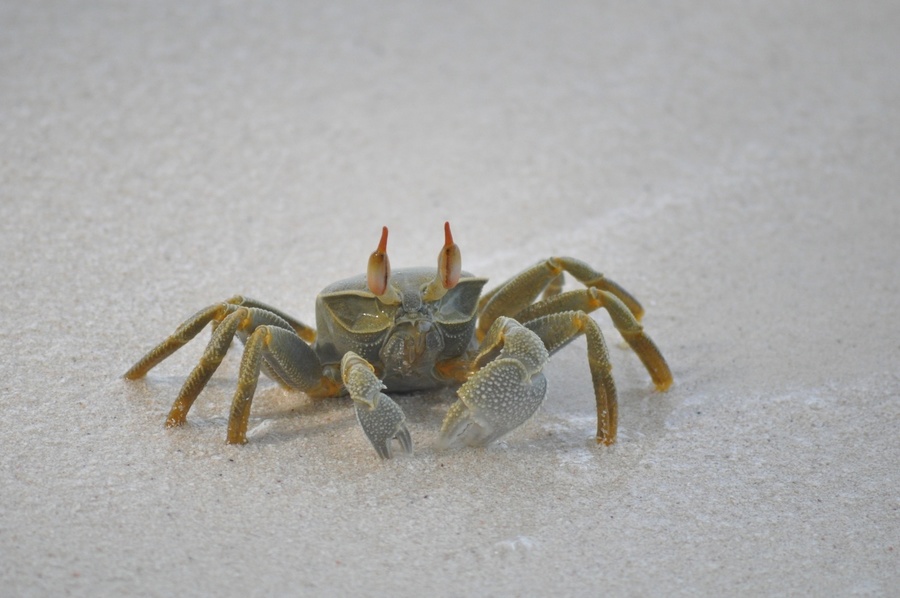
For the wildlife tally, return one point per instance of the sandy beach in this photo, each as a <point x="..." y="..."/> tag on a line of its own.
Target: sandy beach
<point x="732" y="165"/>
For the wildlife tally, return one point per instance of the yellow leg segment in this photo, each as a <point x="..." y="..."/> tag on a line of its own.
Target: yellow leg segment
<point x="588" y="300"/>
<point x="246" y="386"/>
<point x="516" y="294"/>
<point x="290" y="361"/>
<point x="268" y="332"/>
<point x="558" y="330"/>
<point x="182" y="335"/>
<point x="209" y="362"/>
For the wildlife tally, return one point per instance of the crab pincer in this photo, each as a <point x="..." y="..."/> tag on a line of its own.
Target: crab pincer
<point x="504" y="393"/>
<point x="380" y="417"/>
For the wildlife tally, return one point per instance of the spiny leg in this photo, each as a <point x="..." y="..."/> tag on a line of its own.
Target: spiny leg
<point x="504" y="392"/>
<point x="380" y="417"/>
<point x="215" y="313"/>
<point x="212" y="356"/>
<point x="182" y="335"/>
<point x="557" y="330"/>
<point x="293" y="363"/>
<point x="590" y="299"/>
<point x="521" y="290"/>
<point x="241" y="321"/>
<point x="305" y="332"/>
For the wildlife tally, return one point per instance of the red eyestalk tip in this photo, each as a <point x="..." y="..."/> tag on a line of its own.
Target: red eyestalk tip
<point x="382" y="244"/>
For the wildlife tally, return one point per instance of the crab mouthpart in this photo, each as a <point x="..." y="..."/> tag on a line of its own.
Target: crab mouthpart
<point x="411" y="347"/>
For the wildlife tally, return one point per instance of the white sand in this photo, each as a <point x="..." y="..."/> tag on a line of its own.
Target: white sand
<point x="734" y="166"/>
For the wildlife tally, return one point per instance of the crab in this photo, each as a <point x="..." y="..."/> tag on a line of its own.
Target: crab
<point x="415" y="329"/>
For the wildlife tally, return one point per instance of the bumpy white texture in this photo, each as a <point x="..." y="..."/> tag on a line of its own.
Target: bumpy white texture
<point x="503" y="394"/>
<point x="380" y="417"/>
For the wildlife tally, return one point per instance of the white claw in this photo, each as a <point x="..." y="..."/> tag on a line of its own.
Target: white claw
<point x="497" y="400"/>
<point x="381" y="418"/>
<point x="502" y="395"/>
<point x="382" y="424"/>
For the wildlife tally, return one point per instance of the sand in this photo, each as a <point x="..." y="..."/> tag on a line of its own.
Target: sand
<point x="733" y="165"/>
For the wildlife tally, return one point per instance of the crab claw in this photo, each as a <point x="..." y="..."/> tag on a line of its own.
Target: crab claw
<point x="382" y="423"/>
<point x="381" y="418"/>
<point x="502" y="395"/>
<point x="379" y="271"/>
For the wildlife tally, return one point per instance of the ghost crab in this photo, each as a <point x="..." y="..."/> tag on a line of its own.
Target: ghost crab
<point x="415" y="329"/>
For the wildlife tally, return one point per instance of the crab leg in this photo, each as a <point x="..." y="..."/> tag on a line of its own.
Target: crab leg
<point x="193" y="325"/>
<point x="305" y="332"/>
<point x="242" y="320"/>
<point x="588" y="300"/>
<point x="504" y="392"/>
<point x="381" y="418"/>
<point x="209" y="362"/>
<point x="182" y="335"/>
<point x="556" y="331"/>
<point x="288" y="360"/>
<point x="520" y="291"/>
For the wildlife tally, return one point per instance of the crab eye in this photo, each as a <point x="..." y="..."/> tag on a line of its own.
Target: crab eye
<point x="378" y="273"/>
<point x="449" y="268"/>
<point x="449" y="260"/>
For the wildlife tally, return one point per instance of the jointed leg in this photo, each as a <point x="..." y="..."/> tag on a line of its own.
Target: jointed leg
<point x="560" y="317"/>
<point x="588" y="300"/>
<point x="303" y="331"/>
<point x="242" y="321"/>
<point x="519" y="292"/>
<point x="291" y="361"/>
<point x="214" y="313"/>
<point x="212" y="356"/>
<point x="274" y="343"/>
<point x="556" y="331"/>
<point x="182" y="335"/>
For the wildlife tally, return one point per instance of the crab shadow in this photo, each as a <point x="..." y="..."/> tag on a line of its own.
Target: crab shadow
<point x="282" y="416"/>
<point x="563" y="426"/>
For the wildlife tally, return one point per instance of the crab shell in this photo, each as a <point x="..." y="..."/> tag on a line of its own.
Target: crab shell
<point x="403" y="340"/>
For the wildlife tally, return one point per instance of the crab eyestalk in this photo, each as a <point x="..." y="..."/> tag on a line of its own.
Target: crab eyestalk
<point x="449" y="268"/>
<point x="378" y="273"/>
